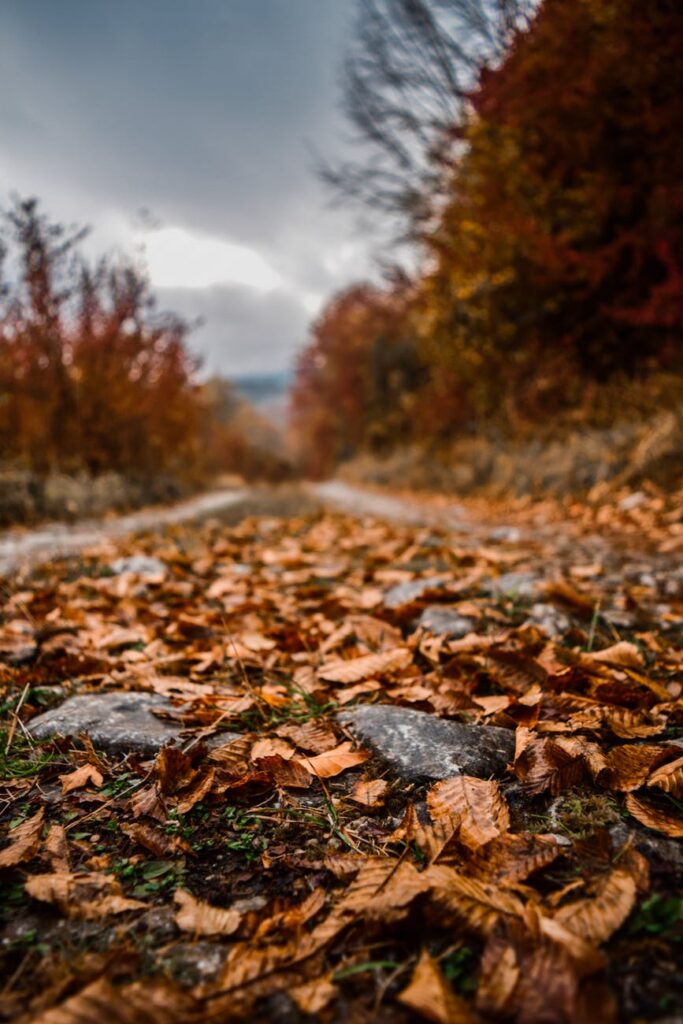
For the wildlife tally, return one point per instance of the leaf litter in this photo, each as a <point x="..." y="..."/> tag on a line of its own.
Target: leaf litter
<point x="330" y="887"/>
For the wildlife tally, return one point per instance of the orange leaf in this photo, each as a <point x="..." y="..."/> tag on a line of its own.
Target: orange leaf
<point x="325" y="766"/>
<point x="430" y="995"/>
<point x="201" y="918"/>
<point x="24" y="841"/>
<point x="354" y="670"/>
<point x="652" y="817"/>
<point x="81" y="777"/>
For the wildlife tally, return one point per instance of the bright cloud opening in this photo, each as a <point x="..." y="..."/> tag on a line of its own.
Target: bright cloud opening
<point x="178" y="259"/>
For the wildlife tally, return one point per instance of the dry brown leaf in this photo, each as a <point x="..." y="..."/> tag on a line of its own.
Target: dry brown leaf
<point x="148" y="801"/>
<point x="383" y="890"/>
<point x="314" y="996"/>
<point x="174" y="769"/>
<point x="353" y="670"/>
<point x="84" y="895"/>
<point x="545" y="765"/>
<point x="621" y="655"/>
<point x="201" y="918"/>
<point x="81" y="777"/>
<point x="56" y="848"/>
<point x="268" y="747"/>
<point x="652" y="817"/>
<point x="596" y="918"/>
<point x="286" y="772"/>
<point x="24" y="841"/>
<point x="370" y="792"/>
<point x="477" y="803"/>
<point x="314" y="737"/>
<point x="140" y="1003"/>
<point x="564" y="592"/>
<point x="154" y="840"/>
<point x="525" y="976"/>
<point x="432" y="998"/>
<point x="477" y="905"/>
<point x="669" y="778"/>
<point x="200" y="787"/>
<point x="509" y="859"/>
<point x="627" y="767"/>
<point x="331" y="763"/>
<point x="233" y="757"/>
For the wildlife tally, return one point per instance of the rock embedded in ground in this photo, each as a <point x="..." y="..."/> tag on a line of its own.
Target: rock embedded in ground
<point x="444" y="621"/>
<point x="420" y="746"/>
<point x="405" y="593"/>
<point x="119" y="722"/>
<point x="512" y="584"/>
<point x="140" y="565"/>
<point x="550" y="619"/>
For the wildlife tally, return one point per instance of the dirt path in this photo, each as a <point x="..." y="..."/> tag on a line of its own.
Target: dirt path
<point x="19" y="547"/>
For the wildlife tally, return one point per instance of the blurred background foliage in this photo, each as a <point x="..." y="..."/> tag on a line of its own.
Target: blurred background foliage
<point x="533" y="157"/>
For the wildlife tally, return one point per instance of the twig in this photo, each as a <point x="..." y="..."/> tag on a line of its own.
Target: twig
<point x="15" y="721"/>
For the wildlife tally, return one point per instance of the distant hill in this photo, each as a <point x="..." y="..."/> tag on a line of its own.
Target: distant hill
<point x="267" y="392"/>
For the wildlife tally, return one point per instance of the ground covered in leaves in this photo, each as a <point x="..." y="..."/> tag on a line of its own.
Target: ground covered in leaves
<point x="266" y="867"/>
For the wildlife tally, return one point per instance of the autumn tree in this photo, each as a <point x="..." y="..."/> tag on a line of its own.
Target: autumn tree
<point x="357" y="381"/>
<point x="91" y="376"/>
<point x="407" y="81"/>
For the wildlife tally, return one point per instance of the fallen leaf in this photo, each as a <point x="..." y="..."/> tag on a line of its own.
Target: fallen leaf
<point x="475" y="904"/>
<point x="56" y="848"/>
<point x="622" y="654"/>
<point x="627" y="767"/>
<point x="653" y="817"/>
<point x="24" y="841"/>
<point x="83" y="895"/>
<point x="477" y="804"/>
<point x="595" y="919"/>
<point x="432" y="998"/>
<point x="669" y="778"/>
<point x="353" y="670"/>
<point x="314" y="996"/>
<point x="331" y="763"/>
<point x="268" y="747"/>
<point x="201" y="918"/>
<point x="286" y="772"/>
<point x="370" y="792"/>
<point x="139" y="1003"/>
<point x="81" y="777"/>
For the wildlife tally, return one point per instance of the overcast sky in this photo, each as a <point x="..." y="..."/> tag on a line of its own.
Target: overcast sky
<point x="205" y="113"/>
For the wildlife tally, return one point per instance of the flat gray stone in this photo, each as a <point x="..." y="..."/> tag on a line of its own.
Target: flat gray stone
<point x="413" y="590"/>
<point x="421" y="746"/>
<point x="119" y="722"/>
<point x="550" y="619"/>
<point x="444" y="621"/>
<point x="140" y="565"/>
<point x="512" y="584"/>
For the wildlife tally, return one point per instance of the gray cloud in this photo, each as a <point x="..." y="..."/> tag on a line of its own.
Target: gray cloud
<point x="244" y="331"/>
<point x="205" y="114"/>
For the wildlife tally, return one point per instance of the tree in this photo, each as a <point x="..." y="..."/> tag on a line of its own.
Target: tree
<point x="407" y="81"/>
